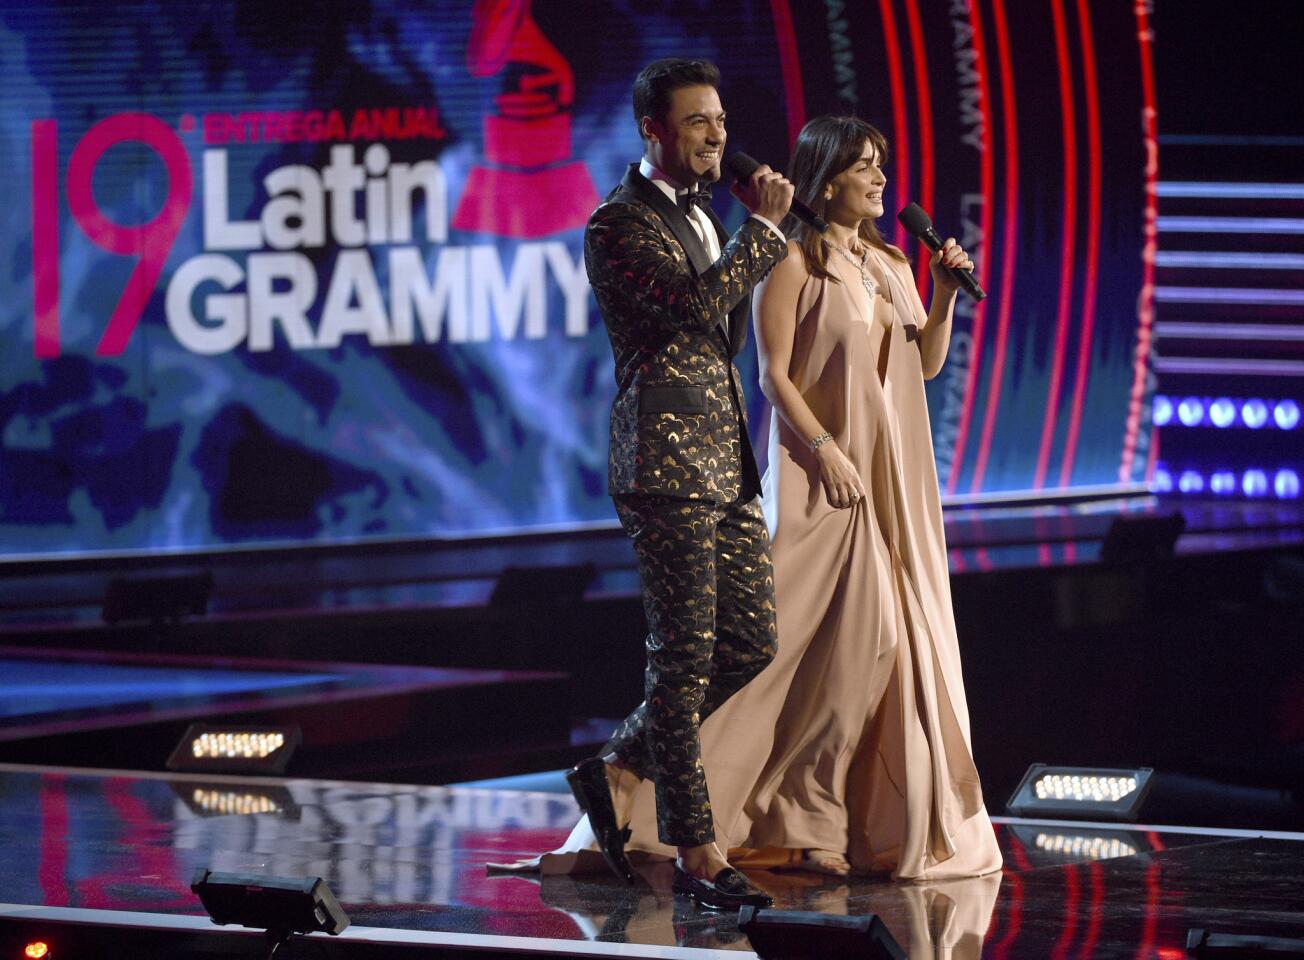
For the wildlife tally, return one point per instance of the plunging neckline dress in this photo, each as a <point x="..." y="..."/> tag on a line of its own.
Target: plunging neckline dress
<point x="856" y="737"/>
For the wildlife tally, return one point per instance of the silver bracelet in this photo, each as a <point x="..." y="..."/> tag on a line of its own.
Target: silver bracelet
<point x="819" y="441"/>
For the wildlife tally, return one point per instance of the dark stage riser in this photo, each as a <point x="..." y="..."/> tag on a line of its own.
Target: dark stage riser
<point x="1189" y="664"/>
<point x="378" y="723"/>
<point x="1192" y="663"/>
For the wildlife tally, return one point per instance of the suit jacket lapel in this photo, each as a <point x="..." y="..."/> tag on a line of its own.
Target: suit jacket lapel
<point x="669" y="211"/>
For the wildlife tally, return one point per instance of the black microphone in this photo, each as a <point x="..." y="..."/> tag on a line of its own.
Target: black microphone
<point x="916" y="221"/>
<point x="742" y="167"/>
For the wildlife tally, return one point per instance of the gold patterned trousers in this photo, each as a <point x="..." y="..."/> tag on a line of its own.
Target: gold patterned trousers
<point x="708" y="593"/>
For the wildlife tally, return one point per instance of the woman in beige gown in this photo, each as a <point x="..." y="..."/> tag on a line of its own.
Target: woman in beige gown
<point x="854" y="742"/>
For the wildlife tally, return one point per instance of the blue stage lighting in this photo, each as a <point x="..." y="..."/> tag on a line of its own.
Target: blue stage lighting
<point x="1254" y="413"/>
<point x="1286" y="484"/>
<point x="1286" y="413"/>
<point x="1254" y="483"/>
<point x="1162" y="482"/>
<point x="1190" y="482"/>
<point x="1222" y="412"/>
<point x="1161" y="410"/>
<point x="1223" y="482"/>
<point x="1191" y="411"/>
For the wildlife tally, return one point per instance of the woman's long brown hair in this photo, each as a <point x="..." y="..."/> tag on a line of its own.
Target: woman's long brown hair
<point x="825" y="147"/>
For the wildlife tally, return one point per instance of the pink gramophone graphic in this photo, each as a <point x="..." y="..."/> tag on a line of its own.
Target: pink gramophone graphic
<point x="530" y="187"/>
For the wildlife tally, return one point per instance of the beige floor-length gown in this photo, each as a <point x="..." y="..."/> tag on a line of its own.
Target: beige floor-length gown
<point x="856" y="737"/>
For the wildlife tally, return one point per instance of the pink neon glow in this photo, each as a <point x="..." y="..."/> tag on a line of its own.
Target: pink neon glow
<point x="900" y="128"/>
<point x="1146" y="300"/>
<point x="1095" y="871"/>
<point x="1068" y="133"/>
<point x="45" y="239"/>
<point x="52" y="872"/>
<point x="150" y="241"/>
<point x="924" y="105"/>
<point x="1013" y="890"/>
<point x="1072" y="895"/>
<point x="1150" y="922"/>
<point x="136" y="849"/>
<point x="789" y="66"/>
<point x="1152" y="456"/>
<point x="1083" y="371"/>
<point x="984" y="264"/>
<point x="900" y="132"/>
<point x="1009" y="243"/>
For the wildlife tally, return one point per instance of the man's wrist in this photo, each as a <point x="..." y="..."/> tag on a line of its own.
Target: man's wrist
<point x="769" y="223"/>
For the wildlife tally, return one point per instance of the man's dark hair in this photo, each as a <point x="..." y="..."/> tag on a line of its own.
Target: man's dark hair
<point x="656" y="82"/>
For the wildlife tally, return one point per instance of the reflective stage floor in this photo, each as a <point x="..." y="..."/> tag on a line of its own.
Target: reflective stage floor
<point x="408" y="862"/>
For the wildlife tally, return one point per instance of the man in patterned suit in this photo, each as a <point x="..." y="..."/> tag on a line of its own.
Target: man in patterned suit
<point x="674" y="290"/>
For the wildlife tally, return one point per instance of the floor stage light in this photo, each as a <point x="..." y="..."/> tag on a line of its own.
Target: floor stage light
<point x="280" y="905"/>
<point x="797" y="935"/>
<point x="1081" y="793"/>
<point x="216" y="748"/>
<point x="1239" y="946"/>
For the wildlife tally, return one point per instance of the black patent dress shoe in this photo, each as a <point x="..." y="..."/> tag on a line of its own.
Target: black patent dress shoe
<point x="728" y="891"/>
<point x="588" y="782"/>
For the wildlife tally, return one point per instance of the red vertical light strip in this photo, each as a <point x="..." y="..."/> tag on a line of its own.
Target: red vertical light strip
<point x="789" y="67"/>
<point x="1072" y="894"/>
<point x="986" y="177"/>
<point x="1014" y="907"/>
<point x="1009" y="242"/>
<point x="1146" y="300"/>
<point x="1150" y="922"/>
<point x="45" y="239"/>
<point x="1085" y="343"/>
<point x="924" y="107"/>
<point x="1092" y="933"/>
<point x="1068" y="132"/>
<point x="1153" y="456"/>
<point x="52" y="872"/>
<point x="145" y="849"/>
<point x="900" y="132"/>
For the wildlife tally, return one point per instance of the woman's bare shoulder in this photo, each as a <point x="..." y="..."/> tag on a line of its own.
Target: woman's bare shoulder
<point x="793" y="266"/>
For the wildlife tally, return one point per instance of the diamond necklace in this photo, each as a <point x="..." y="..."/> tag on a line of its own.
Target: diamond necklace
<point x="871" y="285"/>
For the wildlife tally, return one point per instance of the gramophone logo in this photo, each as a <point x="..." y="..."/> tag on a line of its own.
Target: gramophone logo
<point x="529" y="186"/>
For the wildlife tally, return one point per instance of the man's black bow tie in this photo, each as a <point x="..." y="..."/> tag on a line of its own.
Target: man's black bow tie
<point x="697" y="197"/>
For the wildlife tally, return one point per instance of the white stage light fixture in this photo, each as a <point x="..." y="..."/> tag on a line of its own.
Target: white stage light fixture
<point x="1081" y="793"/>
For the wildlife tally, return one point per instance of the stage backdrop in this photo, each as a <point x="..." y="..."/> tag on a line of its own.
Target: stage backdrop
<point x="314" y="274"/>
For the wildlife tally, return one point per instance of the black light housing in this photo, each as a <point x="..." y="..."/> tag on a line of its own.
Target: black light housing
<point x="226" y="748"/>
<point x="1081" y="793"/>
<point x="165" y="599"/>
<point x="785" y="934"/>
<point x="281" y="906"/>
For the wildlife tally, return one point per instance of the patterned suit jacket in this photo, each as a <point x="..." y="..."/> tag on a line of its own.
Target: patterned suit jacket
<point x="676" y="320"/>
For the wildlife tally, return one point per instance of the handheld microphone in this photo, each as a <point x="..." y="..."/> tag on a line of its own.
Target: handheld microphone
<point x="917" y="223"/>
<point x="742" y="166"/>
